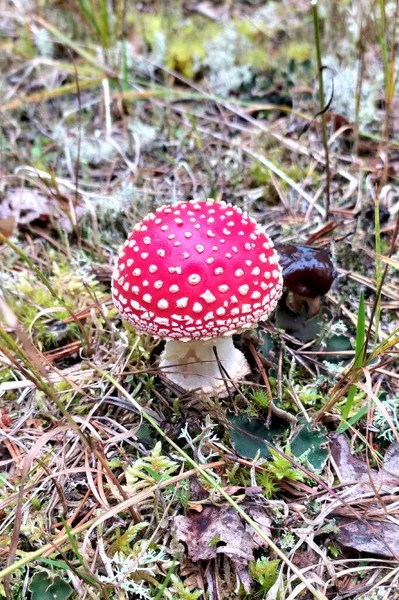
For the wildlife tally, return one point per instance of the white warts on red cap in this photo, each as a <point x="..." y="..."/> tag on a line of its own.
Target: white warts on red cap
<point x="171" y="269"/>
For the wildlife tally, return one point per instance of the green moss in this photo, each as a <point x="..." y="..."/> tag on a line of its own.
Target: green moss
<point x="265" y="572"/>
<point x="188" y="48"/>
<point x="299" y="51"/>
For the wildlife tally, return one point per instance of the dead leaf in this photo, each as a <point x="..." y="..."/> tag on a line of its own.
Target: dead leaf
<point x="373" y="537"/>
<point x="26" y="205"/>
<point x="355" y="471"/>
<point x="367" y="535"/>
<point x="222" y="531"/>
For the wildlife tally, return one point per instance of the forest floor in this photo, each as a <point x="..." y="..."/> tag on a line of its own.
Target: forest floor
<point x="113" y="483"/>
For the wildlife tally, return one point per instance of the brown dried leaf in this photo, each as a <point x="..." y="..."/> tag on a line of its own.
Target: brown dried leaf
<point x="25" y="205"/>
<point x="221" y="530"/>
<point x="354" y="470"/>
<point x="374" y="537"/>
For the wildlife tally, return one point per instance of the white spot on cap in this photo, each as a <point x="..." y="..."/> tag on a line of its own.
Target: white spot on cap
<point x="175" y="270"/>
<point x="208" y="296"/>
<point x="147" y="240"/>
<point x="163" y="304"/>
<point x="158" y="284"/>
<point x="243" y="289"/>
<point x="186" y="255"/>
<point x="210" y="233"/>
<point x="197" y="308"/>
<point x="135" y="289"/>
<point x="209" y="316"/>
<point x="194" y="279"/>
<point x="162" y="321"/>
<point x="233" y="299"/>
<point x="263" y="257"/>
<point x="255" y="271"/>
<point x="179" y="221"/>
<point x="144" y="255"/>
<point x="182" y="302"/>
<point x="174" y="288"/>
<point x="153" y="268"/>
<point x="129" y="262"/>
<point x="132" y="243"/>
<point x="239" y="273"/>
<point x="247" y="246"/>
<point x="177" y="243"/>
<point x="246" y="308"/>
<point x="276" y="274"/>
<point x="147" y="298"/>
<point x="221" y="311"/>
<point x="135" y="305"/>
<point x="199" y="248"/>
<point x="226" y="231"/>
<point x="223" y="288"/>
<point x="164" y="228"/>
<point x="137" y="272"/>
<point x="255" y="295"/>
<point x="210" y="260"/>
<point x="218" y="271"/>
<point x="248" y="262"/>
<point x="171" y="236"/>
<point x="235" y="311"/>
<point x="161" y="252"/>
<point x="188" y="234"/>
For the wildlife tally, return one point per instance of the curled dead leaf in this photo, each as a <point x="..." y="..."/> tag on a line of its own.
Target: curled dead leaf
<point x="221" y="530"/>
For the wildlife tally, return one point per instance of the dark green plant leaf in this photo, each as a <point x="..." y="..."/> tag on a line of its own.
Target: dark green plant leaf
<point x="297" y="325"/>
<point x="266" y="347"/>
<point x="338" y="344"/>
<point x="247" y="435"/>
<point x="313" y="442"/>
<point x="46" y="587"/>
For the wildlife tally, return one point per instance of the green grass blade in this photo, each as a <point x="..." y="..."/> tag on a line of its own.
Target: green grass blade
<point x="359" y="356"/>
<point x="378" y="271"/>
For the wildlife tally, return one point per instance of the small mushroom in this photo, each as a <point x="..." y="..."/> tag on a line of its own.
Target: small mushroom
<point x="194" y="273"/>
<point x="308" y="273"/>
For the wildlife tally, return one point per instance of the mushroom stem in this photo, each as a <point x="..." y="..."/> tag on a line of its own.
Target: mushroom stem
<point x="193" y="366"/>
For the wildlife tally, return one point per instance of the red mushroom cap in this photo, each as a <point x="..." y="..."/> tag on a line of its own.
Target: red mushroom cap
<point x="196" y="270"/>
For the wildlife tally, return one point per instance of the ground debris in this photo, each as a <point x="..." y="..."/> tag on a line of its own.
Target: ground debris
<point x="215" y="531"/>
<point x="368" y="534"/>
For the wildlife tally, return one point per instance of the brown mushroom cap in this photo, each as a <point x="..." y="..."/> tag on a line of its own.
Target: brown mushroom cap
<point x="307" y="271"/>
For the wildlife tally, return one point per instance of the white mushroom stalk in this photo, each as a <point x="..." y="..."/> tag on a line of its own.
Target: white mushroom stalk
<point x="193" y="365"/>
<point x="194" y="273"/>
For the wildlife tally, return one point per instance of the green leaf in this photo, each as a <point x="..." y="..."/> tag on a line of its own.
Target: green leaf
<point x="248" y="435"/>
<point x="44" y="586"/>
<point x="337" y="343"/>
<point x="297" y="324"/>
<point x="313" y="443"/>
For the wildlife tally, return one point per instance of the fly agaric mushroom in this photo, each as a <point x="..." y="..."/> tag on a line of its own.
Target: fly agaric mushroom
<point x="308" y="273"/>
<point x="194" y="273"/>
